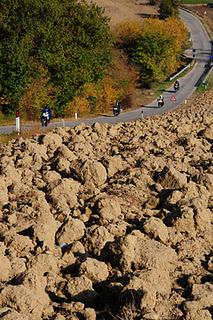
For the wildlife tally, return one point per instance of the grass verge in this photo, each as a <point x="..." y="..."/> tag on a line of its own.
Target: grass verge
<point x="25" y="134"/>
<point x="195" y="1"/>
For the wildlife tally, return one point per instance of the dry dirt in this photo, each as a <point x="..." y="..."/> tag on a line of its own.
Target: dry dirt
<point x="125" y="10"/>
<point x="110" y="221"/>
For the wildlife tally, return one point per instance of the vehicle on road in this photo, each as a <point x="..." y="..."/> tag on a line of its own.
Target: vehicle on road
<point x="44" y="119"/>
<point x="116" y="108"/>
<point x="176" y="85"/>
<point x="160" y="101"/>
<point x="45" y="116"/>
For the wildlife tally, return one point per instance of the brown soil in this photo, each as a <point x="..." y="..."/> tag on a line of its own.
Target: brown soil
<point x="110" y="221"/>
<point x="123" y="10"/>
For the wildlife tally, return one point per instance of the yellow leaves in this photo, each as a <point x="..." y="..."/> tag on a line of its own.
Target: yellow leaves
<point x="172" y="26"/>
<point x="90" y="89"/>
<point x="108" y="94"/>
<point x="36" y="96"/>
<point x="155" y="45"/>
<point x="78" y="104"/>
<point x="98" y="97"/>
<point x="128" y="29"/>
<point x="178" y="30"/>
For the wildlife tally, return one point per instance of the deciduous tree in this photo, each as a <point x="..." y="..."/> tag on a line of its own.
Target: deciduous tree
<point x="169" y="8"/>
<point x="67" y="40"/>
<point x="156" y="48"/>
<point x="166" y="9"/>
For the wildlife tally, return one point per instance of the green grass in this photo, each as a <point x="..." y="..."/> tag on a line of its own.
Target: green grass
<point x="202" y="88"/>
<point x="195" y="1"/>
<point x="210" y="80"/>
<point x="6" y="120"/>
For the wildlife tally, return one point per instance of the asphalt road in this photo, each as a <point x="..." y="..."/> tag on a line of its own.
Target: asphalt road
<point x="188" y="83"/>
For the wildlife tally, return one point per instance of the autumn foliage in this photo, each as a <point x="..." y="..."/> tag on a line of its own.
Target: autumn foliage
<point x="69" y="39"/>
<point x="59" y="53"/>
<point x="155" y="47"/>
<point x="171" y="26"/>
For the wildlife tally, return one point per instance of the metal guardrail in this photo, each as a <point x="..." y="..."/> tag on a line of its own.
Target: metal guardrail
<point x="178" y="73"/>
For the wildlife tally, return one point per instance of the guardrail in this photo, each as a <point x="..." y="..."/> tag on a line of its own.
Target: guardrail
<point x="178" y="73"/>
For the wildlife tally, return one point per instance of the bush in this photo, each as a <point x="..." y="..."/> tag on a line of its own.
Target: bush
<point x="169" y="8"/>
<point x="156" y="49"/>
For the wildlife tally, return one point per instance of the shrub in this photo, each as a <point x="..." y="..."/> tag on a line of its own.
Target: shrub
<point x="169" y="8"/>
<point x="78" y="104"/>
<point x="156" y="49"/>
<point x="127" y="29"/>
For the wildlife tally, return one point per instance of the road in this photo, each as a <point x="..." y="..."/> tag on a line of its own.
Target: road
<point x="188" y="83"/>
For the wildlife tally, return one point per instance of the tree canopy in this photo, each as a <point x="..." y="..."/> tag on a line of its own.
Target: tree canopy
<point x="152" y="52"/>
<point x="155" y="47"/>
<point x="62" y="44"/>
<point x="168" y="8"/>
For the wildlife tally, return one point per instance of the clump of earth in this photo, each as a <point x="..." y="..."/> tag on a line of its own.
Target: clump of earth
<point x="110" y="221"/>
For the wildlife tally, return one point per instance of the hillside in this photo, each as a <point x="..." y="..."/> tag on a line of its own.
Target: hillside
<point x="110" y="222"/>
<point x="125" y="10"/>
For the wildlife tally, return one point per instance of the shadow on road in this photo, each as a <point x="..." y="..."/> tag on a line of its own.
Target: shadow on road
<point x="151" y="107"/>
<point x="105" y="115"/>
<point x="200" y="50"/>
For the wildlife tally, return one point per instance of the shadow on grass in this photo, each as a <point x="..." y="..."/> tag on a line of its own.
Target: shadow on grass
<point x="170" y="91"/>
<point x="148" y="15"/>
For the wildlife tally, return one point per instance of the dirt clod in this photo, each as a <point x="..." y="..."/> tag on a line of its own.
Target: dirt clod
<point x="85" y="229"/>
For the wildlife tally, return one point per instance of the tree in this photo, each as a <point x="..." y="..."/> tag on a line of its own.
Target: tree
<point x="156" y="47"/>
<point x="173" y="27"/>
<point x="152" y="52"/>
<point x="68" y="42"/>
<point x="166" y="9"/>
<point x="169" y="8"/>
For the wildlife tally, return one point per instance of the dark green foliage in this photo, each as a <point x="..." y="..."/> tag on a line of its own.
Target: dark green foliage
<point x="152" y="52"/>
<point x="66" y="40"/>
<point x="166" y="9"/>
<point x="93" y="103"/>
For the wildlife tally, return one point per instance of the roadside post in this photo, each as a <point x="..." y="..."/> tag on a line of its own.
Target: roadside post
<point x="142" y="115"/>
<point x="63" y="123"/>
<point x="17" y="121"/>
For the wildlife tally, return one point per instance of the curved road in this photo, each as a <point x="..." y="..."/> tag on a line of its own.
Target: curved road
<point x="188" y="83"/>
